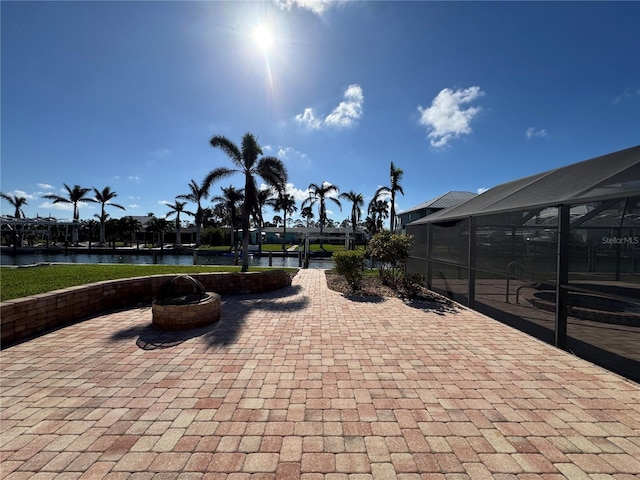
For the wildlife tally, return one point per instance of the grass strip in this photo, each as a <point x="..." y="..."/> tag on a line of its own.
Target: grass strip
<point x="23" y="282"/>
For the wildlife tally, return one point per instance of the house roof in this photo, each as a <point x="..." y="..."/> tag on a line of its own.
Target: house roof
<point x="606" y="177"/>
<point x="446" y="200"/>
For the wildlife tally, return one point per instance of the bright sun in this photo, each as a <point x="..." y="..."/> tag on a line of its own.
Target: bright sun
<point x="263" y="38"/>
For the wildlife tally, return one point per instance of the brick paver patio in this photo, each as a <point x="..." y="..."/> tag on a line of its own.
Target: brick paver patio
<point x="304" y="383"/>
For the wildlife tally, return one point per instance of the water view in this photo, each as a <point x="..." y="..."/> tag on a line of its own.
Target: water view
<point x="164" y="259"/>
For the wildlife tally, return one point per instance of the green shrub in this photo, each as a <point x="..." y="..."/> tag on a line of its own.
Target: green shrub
<point x="412" y="284"/>
<point x="391" y="251"/>
<point x="350" y="264"/>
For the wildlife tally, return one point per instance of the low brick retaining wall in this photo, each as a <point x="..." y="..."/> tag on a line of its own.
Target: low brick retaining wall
<point x="25" y="317"/>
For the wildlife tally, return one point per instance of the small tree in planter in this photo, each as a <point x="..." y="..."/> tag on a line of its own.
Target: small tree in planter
<point x="350" y="264"/>
<point x="391" y="250"/>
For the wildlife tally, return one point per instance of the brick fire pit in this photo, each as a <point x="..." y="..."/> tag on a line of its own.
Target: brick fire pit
<point x="182" y="303"/>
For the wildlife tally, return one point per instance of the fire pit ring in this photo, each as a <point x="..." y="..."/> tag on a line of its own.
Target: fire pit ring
<point x="182" y="303"/>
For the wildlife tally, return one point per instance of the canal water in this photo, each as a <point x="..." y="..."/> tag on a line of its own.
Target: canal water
<point x="164" y="259"/>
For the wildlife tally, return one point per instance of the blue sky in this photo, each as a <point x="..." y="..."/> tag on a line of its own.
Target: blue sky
<point x="461" y="96"/>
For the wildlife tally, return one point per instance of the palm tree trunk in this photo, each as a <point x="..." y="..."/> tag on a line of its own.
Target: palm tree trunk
<point x="284" y="234"/>
<point x="198" y="224"/>
<point x="245" y="239"/>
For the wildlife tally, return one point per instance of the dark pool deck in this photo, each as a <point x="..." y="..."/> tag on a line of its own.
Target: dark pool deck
<point x="305" y="383"/>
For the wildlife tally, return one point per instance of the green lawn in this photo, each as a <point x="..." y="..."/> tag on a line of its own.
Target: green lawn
<point x="315" y="247"/>
<point x="22" y="282"/>
<point x="274" y="247"/>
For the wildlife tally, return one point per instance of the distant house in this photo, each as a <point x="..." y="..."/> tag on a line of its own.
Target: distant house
<point x="449" y="199"/>
<point x="296" y="235"/>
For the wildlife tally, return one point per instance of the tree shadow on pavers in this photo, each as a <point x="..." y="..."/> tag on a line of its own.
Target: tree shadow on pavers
<point x="234" y="311"/>
<point x="354" y="297"/>
<point x="435" y="305"/>
<point x="150" y="337"/>
<point x="237" y="308"/>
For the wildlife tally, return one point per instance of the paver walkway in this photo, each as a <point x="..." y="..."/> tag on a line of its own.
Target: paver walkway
<point x="305" y="383"/>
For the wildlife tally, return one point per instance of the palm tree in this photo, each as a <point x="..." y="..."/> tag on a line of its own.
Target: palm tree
<point x="102" y="221"/>
<point x="104" y="198"/>
<point x="159" y="226"/>
<point x="307" y="214"/>
<point x="230" y="199"/>
<point x="196" y="195"/>
<point x="92" y="226"/>
<point x="357" y="202"/>
<point x="271" y="169"/>
<point x="262" y="198"/>
<point x="285" y="203"/>
<point x="130" y="225"/>
<point x="319" y="194"/>
<point x="177" y="208"/>
<point x="378" y="211"/>
<point x="76" y="195"/>
<point x="395" y="177"/>
<point x="17" y="203"/>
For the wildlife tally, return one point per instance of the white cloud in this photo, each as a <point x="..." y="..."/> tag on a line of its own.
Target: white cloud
<point x="309" y="119"/>
<point x="481" y="190"/>
<point x="133" y="178"/>
<point x="445" y="119"/>
<point x="67" y="207"/>
<point x="348" y="111"/>
<point x="133" y="205"/>
<point x="345" y="115"/>
<point x="46" y="186"/>
<point x="532" y="132"/>
<point x="28" y="196"/>
<point x="299" y="195"/>
<point x="318" y="7"/>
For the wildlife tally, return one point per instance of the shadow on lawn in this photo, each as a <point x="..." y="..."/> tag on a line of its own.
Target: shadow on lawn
<point x="235" y="310"/>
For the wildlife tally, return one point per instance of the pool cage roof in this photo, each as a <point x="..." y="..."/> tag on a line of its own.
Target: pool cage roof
<point x="616" y="175"/>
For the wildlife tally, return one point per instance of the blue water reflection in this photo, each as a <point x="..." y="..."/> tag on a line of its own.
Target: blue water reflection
<point x="164" y="259"/>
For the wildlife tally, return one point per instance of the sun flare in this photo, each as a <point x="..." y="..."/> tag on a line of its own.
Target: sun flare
<point x="263" y="37"/>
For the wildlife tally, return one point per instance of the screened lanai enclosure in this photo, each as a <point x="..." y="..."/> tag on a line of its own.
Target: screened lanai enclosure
<point x="556" y="255"/>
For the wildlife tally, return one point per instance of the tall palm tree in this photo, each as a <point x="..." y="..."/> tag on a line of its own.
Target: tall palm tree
<point x="196" y="195"/>
<point x="177" y="208"/>
<point x="271" y="169"/>
<point x="17" y="203"/>
<point x="285" y="203"/>
<point x="231" y="197"/>
<point x="104" y="198"/>
<point x="395" y="175"/>
<point x="319" y="194"/>
<point x="76" y="195"/>
<point x="357" y="202"/>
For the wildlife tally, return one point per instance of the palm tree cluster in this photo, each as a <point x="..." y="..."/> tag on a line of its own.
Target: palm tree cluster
<point x="241" y="205"/>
